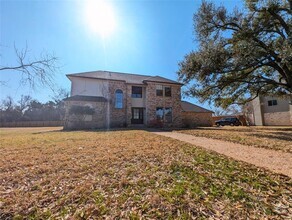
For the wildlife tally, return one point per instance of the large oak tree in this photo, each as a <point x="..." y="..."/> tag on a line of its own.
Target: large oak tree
<point x="241" y="54"/>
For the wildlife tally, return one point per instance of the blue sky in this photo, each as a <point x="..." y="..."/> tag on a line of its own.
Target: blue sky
<point x="151" y="37"/>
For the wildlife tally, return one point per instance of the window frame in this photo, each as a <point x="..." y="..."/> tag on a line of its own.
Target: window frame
<point x="272" y="102"/>
<point x="167" y="87"/>
<point x="159" y="90"/>
<point x="119" y="99"/>
<point x="161" y="118"/>
<point x="137" y="95"/>
<point x="164" y="114"/>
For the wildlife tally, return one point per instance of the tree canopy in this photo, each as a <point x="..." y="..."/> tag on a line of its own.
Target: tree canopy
<point x="30" y="109"/>
<point x="241" y="54"/>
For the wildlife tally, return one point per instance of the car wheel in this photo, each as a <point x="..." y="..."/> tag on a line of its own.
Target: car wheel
<point x="231" y="124"/>
<point x="217" y="124"/>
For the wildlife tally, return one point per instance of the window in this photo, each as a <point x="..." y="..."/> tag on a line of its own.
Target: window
<point x="167" y="91"/>
<point x="164" y="114"/>
<point x="272" y="102"/>
<point x="136" y="92"/>
<point x="119" y="99"/>
<point x="168" y="115"/>
<point x="136" y="114"/>
<point x="159" y="113"/>
<point x="159" y="90"/>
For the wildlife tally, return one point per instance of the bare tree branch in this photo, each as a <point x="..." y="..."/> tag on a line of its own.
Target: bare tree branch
<point x="37" y="72"/>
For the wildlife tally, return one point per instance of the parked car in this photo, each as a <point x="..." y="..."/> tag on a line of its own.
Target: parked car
<point x="228" y="121"/>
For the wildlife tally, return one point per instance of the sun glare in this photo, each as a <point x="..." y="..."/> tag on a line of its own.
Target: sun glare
<point x="100" y="17"/>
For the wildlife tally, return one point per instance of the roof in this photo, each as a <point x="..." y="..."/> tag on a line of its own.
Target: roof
<point x="190" y="107"/>
<point x="86" y="98"/>
<point x="125" y="77"/>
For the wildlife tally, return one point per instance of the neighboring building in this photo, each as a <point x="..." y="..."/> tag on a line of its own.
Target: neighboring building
<point x="103" y="99"/>
<point x="270" y="111"/>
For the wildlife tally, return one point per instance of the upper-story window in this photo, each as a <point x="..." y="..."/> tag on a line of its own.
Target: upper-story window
<point x="136" y="92"/>
<point x="167" y="91"/>
<point x="163" y="90"/>
<point x="119" y="98"/>
<point x="159" y="90"/>
<point x="272" y="102"/>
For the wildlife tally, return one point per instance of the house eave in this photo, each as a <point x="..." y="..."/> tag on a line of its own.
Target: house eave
<point x="88" y="77"/>
<point x="173" y="83"/>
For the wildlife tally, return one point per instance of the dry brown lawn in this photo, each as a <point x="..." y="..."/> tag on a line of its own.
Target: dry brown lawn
<point x="129" y="174"/>
<point x="275" y="138"/>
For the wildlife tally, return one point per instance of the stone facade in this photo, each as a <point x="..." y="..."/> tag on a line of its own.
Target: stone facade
<point x="196" y="119"/>
<point x="153" y="101"/>
<point x="107" y="115"/>
<point x="117" y="117"/>
<point x="128" y="105"/>
<point x="277" y="118"/>
<point x="97" y="120"/>
<point x="135" y="104"/>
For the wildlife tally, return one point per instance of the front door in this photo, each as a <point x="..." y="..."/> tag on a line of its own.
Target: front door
<point x="137" y="116"/>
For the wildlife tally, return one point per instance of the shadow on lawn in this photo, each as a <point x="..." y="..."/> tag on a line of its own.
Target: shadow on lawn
<point x="274" y="135"/>
<point x="245" y="129"/>
<point x="241" y="129"/>
<point x="98" y="130"/>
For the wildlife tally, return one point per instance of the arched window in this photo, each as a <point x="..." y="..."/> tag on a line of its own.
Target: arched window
<point x="119" y="99"/>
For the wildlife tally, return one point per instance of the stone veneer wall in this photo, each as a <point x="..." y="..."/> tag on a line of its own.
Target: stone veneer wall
<point x="153" y="101"/>
<point x="107" y="115"/>
<point x="278" y="118"/>
<point x="117" y="117"/>
<point x="97" y="119"/>
<point x="129" y="104"/>
<point x="194" y="119"/>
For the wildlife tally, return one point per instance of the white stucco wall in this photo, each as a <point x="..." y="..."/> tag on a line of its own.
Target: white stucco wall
<point x="89" y="87"/>
<point x="282" y="104"/>
<point x="257" y="111"/>
<point x="139" y="102"/>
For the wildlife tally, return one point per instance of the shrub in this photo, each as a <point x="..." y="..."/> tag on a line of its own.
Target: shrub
<point x="156" y="123"/>
<point x="81" y="110"/>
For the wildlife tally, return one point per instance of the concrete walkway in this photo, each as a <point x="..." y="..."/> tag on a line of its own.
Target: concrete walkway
<point x="276" y="161"/>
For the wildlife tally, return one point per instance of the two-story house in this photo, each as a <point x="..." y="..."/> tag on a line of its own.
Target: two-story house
<point x="103" y="99"/>
<point x="268" y="110"/>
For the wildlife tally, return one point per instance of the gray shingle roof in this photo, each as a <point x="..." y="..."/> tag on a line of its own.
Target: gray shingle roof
<point x="86" y="98"/>
<point x="126" y="77"/>
<point x="189" y="107"/>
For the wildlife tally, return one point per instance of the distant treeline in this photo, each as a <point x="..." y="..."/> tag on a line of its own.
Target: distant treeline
<point x="29" y="109"/>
